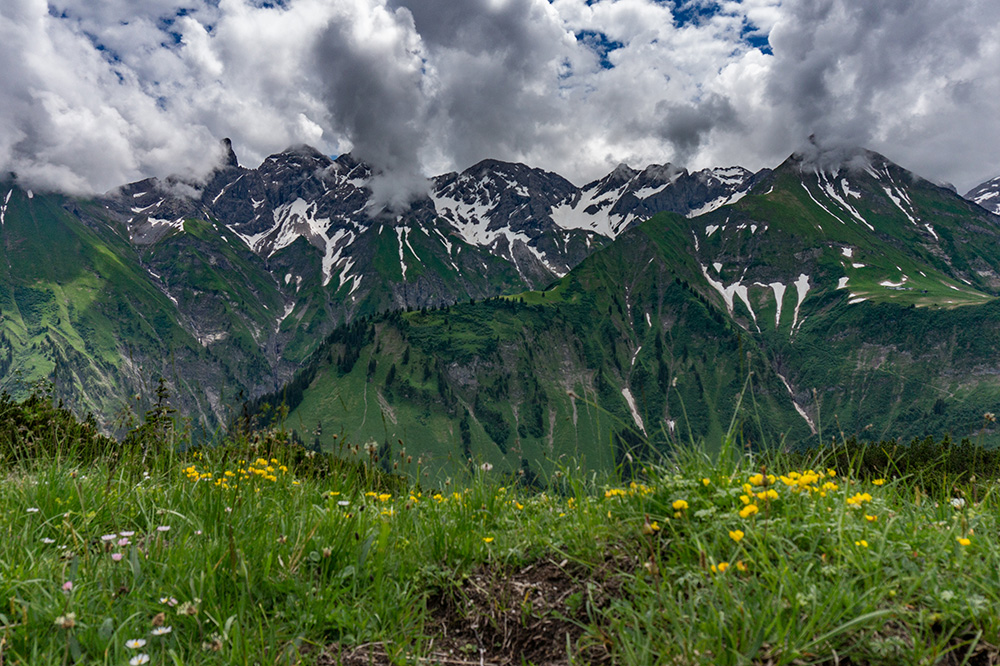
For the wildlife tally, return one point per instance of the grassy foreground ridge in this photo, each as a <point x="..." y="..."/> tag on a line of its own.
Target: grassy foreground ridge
<point x="259" y="552"/>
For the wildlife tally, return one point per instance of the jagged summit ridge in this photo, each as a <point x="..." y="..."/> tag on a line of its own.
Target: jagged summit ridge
<point x="537" y="220"/>
<point x="986" y="195"/>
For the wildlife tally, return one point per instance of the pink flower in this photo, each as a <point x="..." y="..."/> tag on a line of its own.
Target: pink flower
<point x="117" y="557"/>
<point x="67" y="586"/>
<point x="124" y="541"/>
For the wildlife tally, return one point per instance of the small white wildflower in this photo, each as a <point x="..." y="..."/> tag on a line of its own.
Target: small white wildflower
<point x="135" y="643"/>
<point x="139" y="659"/>
<point x="33" y="509"/>
<point x="161" y="631"/>
<point x="126" y="534"/>
<point x="486" y="467"/>
<point x="343" y="503"/>
<point x="48" y="540"/>
<point x="163" y="528"/>
<point x="109" y="537"/>
<point x="957" y="502"/>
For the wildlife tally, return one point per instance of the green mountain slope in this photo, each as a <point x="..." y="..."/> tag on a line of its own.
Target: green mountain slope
<point x="855" y="300"/>
<point x="102" y="305"/>
<point x="77" y="308"/>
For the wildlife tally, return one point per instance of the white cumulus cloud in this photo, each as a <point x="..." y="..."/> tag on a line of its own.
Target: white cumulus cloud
<point x="98" y="94"/>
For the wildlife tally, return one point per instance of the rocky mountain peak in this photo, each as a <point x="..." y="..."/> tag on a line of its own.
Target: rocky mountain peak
<point x="986" y="195"/>
<point x="229" y="155"/>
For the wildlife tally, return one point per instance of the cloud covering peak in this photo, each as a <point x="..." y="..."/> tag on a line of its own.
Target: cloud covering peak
<point x="98" y="94"/>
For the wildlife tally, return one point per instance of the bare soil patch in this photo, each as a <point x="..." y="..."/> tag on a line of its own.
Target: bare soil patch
<point x="538" y="614"/>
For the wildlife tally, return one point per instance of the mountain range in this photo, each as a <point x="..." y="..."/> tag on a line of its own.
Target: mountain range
<point x="509" y="315"/>
<point x="233" y="282"/>
<point x="853" y="299"/>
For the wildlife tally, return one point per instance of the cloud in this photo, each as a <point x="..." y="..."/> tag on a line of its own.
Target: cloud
<point x="879" y="74"/>
<point x="688" y="125"/>
<point x="375" y="85"/>
<point x="97" y="94"/>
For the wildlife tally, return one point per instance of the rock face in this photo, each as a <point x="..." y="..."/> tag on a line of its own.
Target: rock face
<point x="529" y="217"/>
<point x="987" y="195"/>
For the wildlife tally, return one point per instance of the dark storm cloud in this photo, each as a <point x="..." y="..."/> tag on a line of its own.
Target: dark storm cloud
<point x="868" y="74"/>
<point x="496" y="63"/>
<point x="688" y="125"/>
<point x="375" y="89"/>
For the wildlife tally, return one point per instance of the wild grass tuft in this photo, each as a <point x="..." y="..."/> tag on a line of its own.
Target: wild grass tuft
<point x="256" y="551"/>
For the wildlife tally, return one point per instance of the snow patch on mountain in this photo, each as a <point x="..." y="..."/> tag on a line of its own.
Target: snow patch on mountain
<point x="831" y="191"/>
<point x="333" y="257"/>
<point x="736" y="289"/>
<point x="400" y="232"/>
<point x="588" y="214"/>
<point x="779" y="295"/>
<point x="717" y="203"/>
<point x="798" y="408"/>
<point x="632" y="408"/>
<point x="176" y="224"/>
<point x="801" y="288"/>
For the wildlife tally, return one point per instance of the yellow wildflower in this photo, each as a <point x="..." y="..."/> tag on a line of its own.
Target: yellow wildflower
<point x="858" y="499"/>
<point x="748" y="510"/>
<point x="706" y="481"/>
<point x="680" y="505"/>
<point x="878" y="482"/>
<point x="963" y="541"/>
<point x="871" y="519"/>
<point x="736" y="535"/>
<point x="488" y="539"/>
<point x="862" y="543"/>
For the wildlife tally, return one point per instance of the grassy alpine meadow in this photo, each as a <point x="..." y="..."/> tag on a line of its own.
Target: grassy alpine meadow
<point x="256" y="551"/>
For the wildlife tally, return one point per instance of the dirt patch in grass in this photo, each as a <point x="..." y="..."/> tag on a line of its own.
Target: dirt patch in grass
<point x="538" y="613"/>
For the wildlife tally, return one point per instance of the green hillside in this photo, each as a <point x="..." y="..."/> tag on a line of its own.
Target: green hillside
<point x="794" y="311"/>
<point x="77" y="308"/>
<point x="102" y="316"/>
